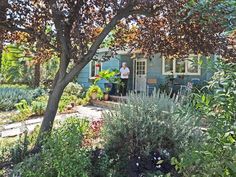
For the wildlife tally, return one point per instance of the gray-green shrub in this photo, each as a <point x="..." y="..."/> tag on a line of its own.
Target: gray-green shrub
<point x="10" y="96"/>
<point x="146" y="124"/>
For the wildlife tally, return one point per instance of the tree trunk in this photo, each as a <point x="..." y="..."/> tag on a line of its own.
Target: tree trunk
<point x="52" y="105"/>
<point x="50" y="114"/>
<point x="37" y="75"/>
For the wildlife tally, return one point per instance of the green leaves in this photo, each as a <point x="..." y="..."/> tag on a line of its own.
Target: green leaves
<point x="14" y="68"/>
<point x="146" y="124"/>
<point x="62" y="154"/>
<point x="214" y="155"/>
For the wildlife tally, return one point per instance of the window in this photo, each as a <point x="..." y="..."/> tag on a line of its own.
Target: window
<point x="186" y="66"/>
<point x="95" y="68"/>
<point x="180" y="66"/>
<point x="168" y="66"/>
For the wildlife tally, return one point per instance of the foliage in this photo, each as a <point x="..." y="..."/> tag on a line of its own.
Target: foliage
<point x="5" y="148"/>
<point x="65" y="101"/>
<point x="14" y="65"/>
<point x="40" y="104"/>
<point x="10" y="96"/>
<point x="24" y="111"/>
<point x="145" y="125"/>
<point x="62" y="153"/>
<point x="30" y="102"/>
<point x="20" y="86"/>
<point x="39" y="107"/>
<point x="214" y="155"/>
<point x="74" y="89"/>
<point x="15" y="149"/>
<point x="49" y="69"/>
<point x="94" y="89"/>
<point x="143" y="24"/>
<point x="109" y="76"/>
<point x="107" y="90"/>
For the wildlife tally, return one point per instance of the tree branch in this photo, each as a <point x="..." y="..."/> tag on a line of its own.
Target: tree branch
<point x="93" y="49"/>
<point x="63" y="35"/>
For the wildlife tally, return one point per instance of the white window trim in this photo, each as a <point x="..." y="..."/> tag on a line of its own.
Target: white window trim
<point x="163" y="67"/>
<point x="90" y="68"/>
<point x="186" y="69"/>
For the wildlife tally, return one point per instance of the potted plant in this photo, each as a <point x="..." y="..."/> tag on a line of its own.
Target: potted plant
<point x="94" y="92"/>
<point x="106" y="93"/>
<point x="110" y="76"/>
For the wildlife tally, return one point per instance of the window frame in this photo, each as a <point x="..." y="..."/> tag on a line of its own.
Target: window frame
<point x="90" y="68"/>
<point x="187" y="59"/>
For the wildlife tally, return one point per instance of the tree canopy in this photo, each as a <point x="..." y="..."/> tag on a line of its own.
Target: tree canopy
<point x="170" y="27"/>
<point x="75" y="29"/>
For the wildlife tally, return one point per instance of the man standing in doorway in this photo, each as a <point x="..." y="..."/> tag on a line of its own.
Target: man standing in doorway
<point x="124" y="75"/>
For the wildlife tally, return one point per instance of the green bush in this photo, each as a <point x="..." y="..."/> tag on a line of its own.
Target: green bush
<point x="75" y="89"/>
<point x="10" y="96"/>
<point x="62" y="153"/>
<point x="144" y="125"/>
<point x="24" y="111"/>
<point x="39" y="107"/>
<point x="215" y="154"/>
<point x="15" y="148"/>
<point x="94" y="89"/>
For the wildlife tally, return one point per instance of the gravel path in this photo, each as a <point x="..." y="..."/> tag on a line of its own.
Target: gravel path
<point x="14" y="129"/>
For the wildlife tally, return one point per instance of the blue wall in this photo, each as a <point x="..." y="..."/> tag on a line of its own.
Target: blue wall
<point x="84" y="76"/>
<point x="154" y="71"/>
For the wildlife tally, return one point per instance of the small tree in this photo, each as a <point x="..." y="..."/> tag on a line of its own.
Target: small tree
<point x="75" y="29"/>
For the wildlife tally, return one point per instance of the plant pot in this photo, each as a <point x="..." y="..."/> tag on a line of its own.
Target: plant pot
<point x="106" y="96"/>
<point x="113" y="88"/>
<point x="94" y="96"/>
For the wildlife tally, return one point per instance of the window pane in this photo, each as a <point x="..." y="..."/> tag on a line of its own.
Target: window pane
<point x="95" y="68"/>
<point x="168" y="66"/>
<point x="192" y="64"/>
<point x="180" y="66"/>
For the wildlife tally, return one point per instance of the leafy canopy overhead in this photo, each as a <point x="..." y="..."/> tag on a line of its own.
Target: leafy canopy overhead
<point x="172" y="27"/>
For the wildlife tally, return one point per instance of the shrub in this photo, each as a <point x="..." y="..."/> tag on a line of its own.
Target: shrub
<point x="94" y="89"/>
<point x="66" y="100"/>
<point x="39" y="107"/>
<point x="145" y="126"/>
<point x="10" y="96"/>
<point x="62" y="153"/>
<point x="24" y="111"/>
<point x="214" y="155"/>
<point x="108" y="75"/>
<point x="15" y="149"/>
<point x="74" y="89"/>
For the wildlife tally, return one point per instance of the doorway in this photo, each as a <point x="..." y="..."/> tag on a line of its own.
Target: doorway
<point x="140" y="74"/>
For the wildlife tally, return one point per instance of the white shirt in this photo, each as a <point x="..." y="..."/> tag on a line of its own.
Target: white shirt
<point x="124" y="73"/>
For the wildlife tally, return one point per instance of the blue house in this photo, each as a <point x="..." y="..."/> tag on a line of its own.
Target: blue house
<point x="149" y="73"/>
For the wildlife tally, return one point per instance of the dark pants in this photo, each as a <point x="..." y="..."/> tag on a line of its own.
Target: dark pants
<point x="123" y="88"/>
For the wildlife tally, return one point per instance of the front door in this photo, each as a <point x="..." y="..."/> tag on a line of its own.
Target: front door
<point x="140" y="75"/>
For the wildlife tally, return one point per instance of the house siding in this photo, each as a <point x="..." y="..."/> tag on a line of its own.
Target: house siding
<point x="84" y="76"/>
<point x="154" y="71"/>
